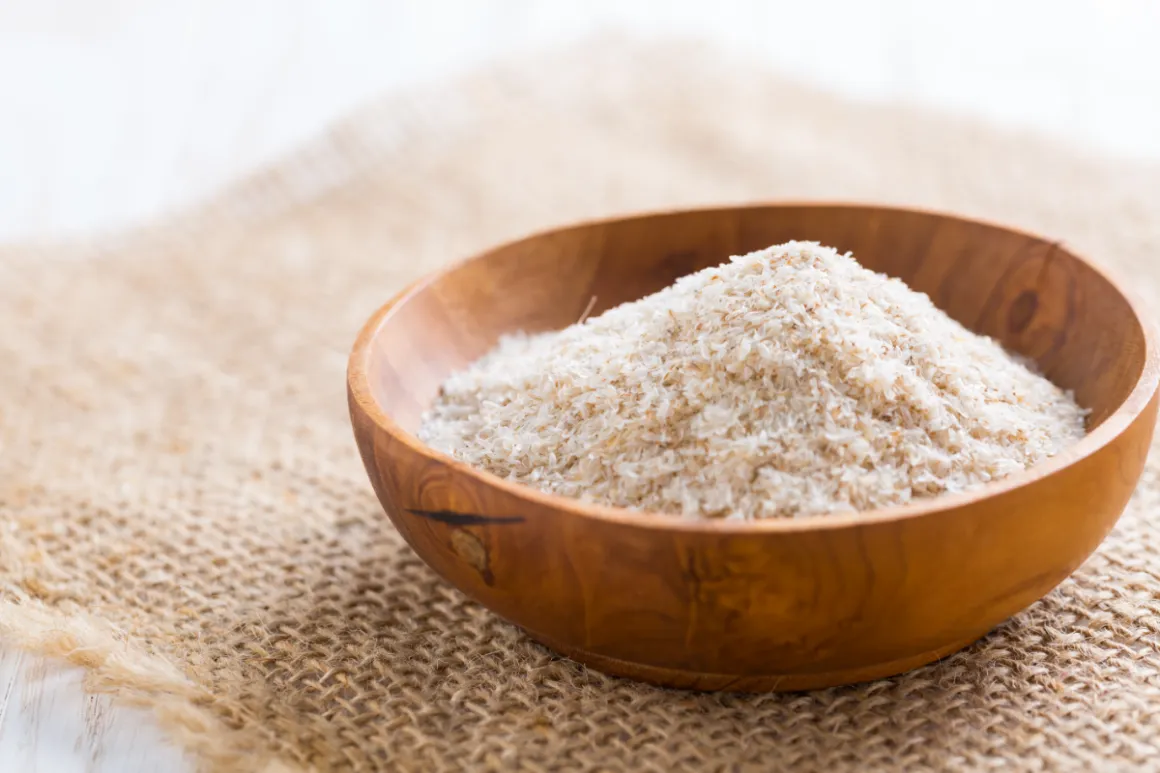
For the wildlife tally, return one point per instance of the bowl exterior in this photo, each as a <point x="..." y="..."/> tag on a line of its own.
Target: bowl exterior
<point x="752" y="609"/>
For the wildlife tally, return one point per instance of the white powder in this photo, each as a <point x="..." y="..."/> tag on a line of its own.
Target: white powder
<point x="787" y="382"/>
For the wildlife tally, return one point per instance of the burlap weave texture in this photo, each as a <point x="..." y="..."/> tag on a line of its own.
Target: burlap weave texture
<point x="183" y="511"/>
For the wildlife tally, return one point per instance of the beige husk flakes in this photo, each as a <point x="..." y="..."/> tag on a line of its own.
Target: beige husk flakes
<point x="183" y="511"/>
<point x="790" y="381"/>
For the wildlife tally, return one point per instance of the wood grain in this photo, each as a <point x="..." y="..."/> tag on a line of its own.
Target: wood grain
<point x="777" y="605"/>
<point x="49" y="725"/>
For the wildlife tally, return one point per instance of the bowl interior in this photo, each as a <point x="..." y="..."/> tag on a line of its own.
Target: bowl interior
<point x="1031" y="294"/>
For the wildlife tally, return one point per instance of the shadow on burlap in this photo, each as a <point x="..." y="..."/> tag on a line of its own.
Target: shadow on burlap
<point x="184" y="511"/>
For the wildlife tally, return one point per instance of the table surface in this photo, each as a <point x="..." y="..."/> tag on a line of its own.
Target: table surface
<point x="119" y="111"/>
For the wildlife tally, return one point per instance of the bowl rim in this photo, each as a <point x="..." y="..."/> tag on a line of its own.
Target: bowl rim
<point x="1114" y="425"/>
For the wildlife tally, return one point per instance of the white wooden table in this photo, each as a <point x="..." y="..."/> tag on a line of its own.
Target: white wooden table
<point x="113" y="112"/>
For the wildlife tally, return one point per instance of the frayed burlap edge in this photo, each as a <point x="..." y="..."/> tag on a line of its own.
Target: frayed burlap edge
<point x="115" y="666"/>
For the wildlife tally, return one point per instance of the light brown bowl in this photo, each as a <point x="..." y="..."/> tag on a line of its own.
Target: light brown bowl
<point x="778" y="604"/>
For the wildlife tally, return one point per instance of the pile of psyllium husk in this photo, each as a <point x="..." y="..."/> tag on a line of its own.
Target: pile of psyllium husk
<point x="787" y="382"/>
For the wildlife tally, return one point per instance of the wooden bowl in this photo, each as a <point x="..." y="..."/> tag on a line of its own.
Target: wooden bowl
<point x="777" y="604"/>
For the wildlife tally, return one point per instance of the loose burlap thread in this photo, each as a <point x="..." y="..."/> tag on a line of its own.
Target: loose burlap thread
<point x="184" y="512"/>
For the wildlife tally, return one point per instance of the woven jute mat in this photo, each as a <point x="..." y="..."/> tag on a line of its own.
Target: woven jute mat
<point x="184" y="513"/>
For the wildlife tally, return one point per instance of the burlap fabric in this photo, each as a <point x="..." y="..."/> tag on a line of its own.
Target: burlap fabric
<point x="184" y="511"/>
